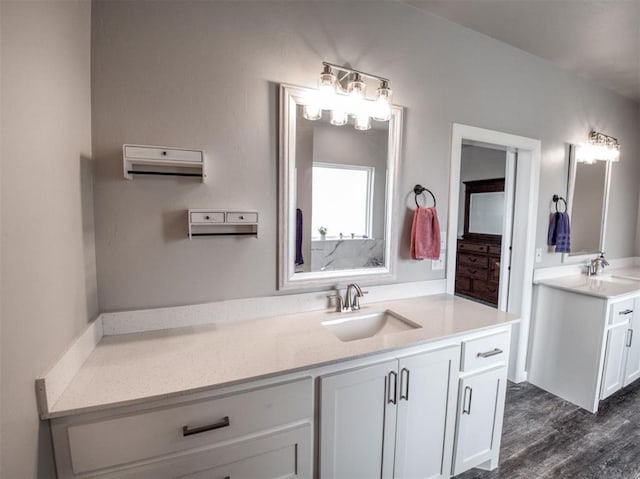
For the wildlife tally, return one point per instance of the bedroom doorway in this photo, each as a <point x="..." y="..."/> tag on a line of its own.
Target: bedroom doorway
<point x="524" y="154"/>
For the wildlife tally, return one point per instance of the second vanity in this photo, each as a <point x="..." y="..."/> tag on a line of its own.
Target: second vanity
<point x="420" y="393"/>
<point x="585" y="343"/>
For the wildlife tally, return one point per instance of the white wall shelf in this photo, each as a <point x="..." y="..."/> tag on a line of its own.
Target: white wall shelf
<point x="203" y="222"/>
<point x="162" y="161"/>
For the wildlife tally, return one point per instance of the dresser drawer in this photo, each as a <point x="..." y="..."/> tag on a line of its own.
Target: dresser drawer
<point x="134" y="437"/>
<point x="485" y="351"/>
<point x="240" y="217"/>
<point x="473" y="247"/>
<point x="462" y="283"/>
<point x="495" y="250"/>
<point x="473" y="260"/>
<point x="469" y="271"/>
<point x="621" y="312"/>
<point x="169" y="154"/>
<point x="207" y="217"/>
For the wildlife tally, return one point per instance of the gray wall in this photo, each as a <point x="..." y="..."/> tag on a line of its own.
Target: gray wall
<point x="205" y="74"/>
<point x="48" y="256"/>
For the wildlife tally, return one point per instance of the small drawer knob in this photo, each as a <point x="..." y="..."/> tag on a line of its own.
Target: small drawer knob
<point x="207" y="217"/>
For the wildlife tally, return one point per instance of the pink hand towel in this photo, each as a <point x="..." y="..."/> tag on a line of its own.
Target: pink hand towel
<point x="425" y="234"/>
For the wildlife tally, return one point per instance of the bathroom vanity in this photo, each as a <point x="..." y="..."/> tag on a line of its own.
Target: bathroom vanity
<point x="414" y="388"/>
<point x="585" y="343"/>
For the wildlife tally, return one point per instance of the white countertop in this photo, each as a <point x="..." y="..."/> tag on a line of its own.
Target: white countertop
<point x="137" y="367"/>
<point x="612" y="284"/>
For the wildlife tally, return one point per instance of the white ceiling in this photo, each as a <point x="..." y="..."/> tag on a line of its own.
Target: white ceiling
<point x="596" y="39"/>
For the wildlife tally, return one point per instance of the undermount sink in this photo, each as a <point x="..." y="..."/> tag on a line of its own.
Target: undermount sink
<point x="360" y="325"/>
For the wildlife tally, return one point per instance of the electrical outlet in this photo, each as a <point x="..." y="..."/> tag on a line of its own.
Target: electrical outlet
<point x="437" y="263"/>
<point x="538" y="255"/>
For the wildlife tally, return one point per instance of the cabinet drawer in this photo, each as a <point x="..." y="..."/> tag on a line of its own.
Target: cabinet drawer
<point x="484" y="351"/>
<point x="207" y="217"/>
<point x="150" y="153"/>
<point x="495" y="250"/>
<point x="476" y="272"/>
<point x="621" y="312"/>
<point x="143" y="435"/>
<point x="473" y="247"/>
<point x="462" y="283"/>
<point x="240" y="217"/>
<point x="473" y="260"/>
<point x="286" y="453"/>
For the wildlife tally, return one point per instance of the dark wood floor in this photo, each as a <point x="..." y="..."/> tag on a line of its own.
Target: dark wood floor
<point x="547" y="437"/>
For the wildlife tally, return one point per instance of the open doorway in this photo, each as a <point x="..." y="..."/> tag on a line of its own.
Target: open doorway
<point x="487" y="174"/>
<point x="522" y="165"/>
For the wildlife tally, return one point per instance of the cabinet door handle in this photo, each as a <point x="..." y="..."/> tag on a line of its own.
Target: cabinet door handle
<point x="629" y="337"/>
<point x="625" y="312"/>
<point x="392" y="399"/>
<point x="488" y="354"/>
<point x="466" y="409"/>
<point x="404" y="384"/>
<point x="224" y="422"/>
<point x="473" y="260"/>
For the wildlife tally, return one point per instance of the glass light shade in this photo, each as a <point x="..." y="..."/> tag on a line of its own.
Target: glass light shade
<point x="363" y="121"/>
<point x="327" y="88"/>
<point x="356" y="88"/>
<point x="382" y="104"/>
<point x="312" y="111"/>
<point x="339" y="117"/>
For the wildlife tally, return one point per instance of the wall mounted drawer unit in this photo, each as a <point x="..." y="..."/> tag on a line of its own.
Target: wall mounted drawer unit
<point x="125" y="439"/>
<point x="204" y="222"/>
<point x="162" y="161"/>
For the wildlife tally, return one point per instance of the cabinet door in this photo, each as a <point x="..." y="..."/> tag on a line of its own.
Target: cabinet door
<point x="632" y="368"/>
<point x="479" y="421"/>
<point x="426" y="414"/>
<point x="357" y="422"/>
<point x="615" y="355"/>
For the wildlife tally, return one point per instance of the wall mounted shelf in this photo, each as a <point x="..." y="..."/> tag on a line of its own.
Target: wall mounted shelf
<point x="203" y="222"/>
<point x="162" y="161"/>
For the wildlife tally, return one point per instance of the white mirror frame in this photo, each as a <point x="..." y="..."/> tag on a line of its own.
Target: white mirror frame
<point x="581" y="258"/>
<point x="290" y="97"/>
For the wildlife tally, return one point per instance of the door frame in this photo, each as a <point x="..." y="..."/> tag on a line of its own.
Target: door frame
<point x="525" y="210"/>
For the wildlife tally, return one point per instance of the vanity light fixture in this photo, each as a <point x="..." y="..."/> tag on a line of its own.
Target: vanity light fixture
<point x="601" y="147"/>
<point x="345" y="95"/>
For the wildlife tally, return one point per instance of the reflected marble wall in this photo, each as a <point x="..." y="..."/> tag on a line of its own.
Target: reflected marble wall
<point x="327" y="255"/>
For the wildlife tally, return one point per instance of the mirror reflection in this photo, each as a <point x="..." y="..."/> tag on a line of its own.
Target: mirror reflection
<point x="588" y="198"/>
<point x="341" y="178"/>
<point x="337" y="186"/>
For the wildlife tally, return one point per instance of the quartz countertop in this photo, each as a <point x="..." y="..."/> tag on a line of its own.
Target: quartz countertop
<point x="612" y="284"/>
<point x="132" y="368"/>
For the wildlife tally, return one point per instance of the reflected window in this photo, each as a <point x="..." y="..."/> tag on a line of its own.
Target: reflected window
<point x="342" y="200"/>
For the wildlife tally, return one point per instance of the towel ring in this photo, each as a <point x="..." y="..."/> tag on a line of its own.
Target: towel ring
<point x="556" y="200"/>
<point x="418" y="190"/>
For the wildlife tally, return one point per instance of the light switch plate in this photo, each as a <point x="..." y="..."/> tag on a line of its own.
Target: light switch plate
<point x="437" y="264"/>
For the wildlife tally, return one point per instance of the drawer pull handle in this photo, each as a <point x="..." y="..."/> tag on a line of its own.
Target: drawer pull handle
<point x="472" y="271"/>
<point x="626" y="311"/>
<point x="224" y="422"/>
<point x="473" y="260"/>
<point x="466" y="409"/>
<point x="404" y="385"/>
<point x="629" y="337"/>
<point x="488" y="354"/>
<point x="207" y="217"/>
<point x="392" y="399"/>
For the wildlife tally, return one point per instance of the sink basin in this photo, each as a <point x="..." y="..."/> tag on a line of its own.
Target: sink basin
<point x="360" y="325"/>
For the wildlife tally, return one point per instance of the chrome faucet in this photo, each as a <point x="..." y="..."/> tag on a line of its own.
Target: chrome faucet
<point x="597" y="264"/>
<point x="351" y="300"/>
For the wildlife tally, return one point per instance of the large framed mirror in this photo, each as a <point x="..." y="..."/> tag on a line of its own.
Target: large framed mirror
<point x="587" y="204"/>
<point x="336" y="195"/>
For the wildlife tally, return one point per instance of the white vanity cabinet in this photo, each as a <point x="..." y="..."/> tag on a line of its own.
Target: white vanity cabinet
<point x="622" y="357"/>
<point x="266" y="430"/>
<point x="391" y="419"/>
<point x="481" y="399"/>
<point x="584" y="347"/>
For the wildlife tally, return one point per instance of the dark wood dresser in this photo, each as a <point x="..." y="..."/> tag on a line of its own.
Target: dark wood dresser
<point x="478" y="270"/>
